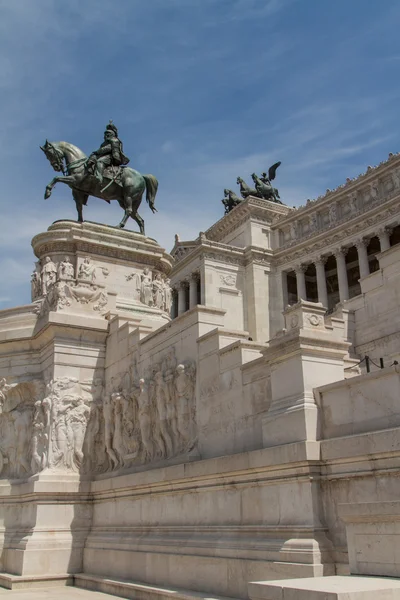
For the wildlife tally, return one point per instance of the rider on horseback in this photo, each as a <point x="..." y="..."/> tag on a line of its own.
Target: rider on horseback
<point x="109" y="154"/>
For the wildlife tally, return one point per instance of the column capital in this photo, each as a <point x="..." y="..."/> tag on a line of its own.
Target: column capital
<point x="341" y="251"/>
<point x="321" y="260"/>
<point x="385" y="230"/>
<point x="181" y="285"/>
<point x="361" y="242"/>
<point x="194" y="276"/>
<point x="301" y="267"/>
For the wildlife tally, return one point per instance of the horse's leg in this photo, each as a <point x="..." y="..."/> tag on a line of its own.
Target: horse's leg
<point x="80" y="199"/>
<point x="135" y="215"/>
<point x="139" y="221"/>
<point x="126" y="204"/>
<point x="69" y="180"/>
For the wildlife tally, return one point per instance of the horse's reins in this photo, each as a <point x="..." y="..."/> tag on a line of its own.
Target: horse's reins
<point x="76" y="163"/>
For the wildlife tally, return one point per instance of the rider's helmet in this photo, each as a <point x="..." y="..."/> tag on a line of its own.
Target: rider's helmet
<point x="111" y="128"/>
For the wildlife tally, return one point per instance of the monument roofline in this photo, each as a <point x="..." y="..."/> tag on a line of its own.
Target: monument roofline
<point x="252" y="207"/>
<point x="351" y="185"/>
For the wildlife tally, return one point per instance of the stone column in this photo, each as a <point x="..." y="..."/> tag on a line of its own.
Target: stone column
<point x="181" y="298"/>
<point x="301" y="282"/>
<point x="174" y="307"/>
<point x="285" y="291"/>
<point x="321" y="281"/>
<point x="193" y="282"/>
<point x="340" y="255"/>
<point x="384" y="238"/>
<point x="363" y="263"/>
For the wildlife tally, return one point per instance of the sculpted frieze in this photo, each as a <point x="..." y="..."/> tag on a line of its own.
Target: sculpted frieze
<point x="67" y="425"/>
<point x="146" y="418"/>
<point x="58" y="425"/>
<point x="152" y="289"/>
<point x="55" y="288"/>
<point x="17" y="442"/>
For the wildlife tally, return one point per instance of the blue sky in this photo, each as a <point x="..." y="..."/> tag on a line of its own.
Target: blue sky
<point x="202" y="91"/>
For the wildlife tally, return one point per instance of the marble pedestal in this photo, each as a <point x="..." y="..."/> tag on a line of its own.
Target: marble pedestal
<point x="112" y="269"/>
<point x="45" y="521"/>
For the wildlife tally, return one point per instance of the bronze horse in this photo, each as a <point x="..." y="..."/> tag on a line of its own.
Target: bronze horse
<point x="83" y="184"/>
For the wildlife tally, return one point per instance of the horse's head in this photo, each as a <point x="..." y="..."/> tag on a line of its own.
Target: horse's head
<point x="254" y="177"/>
<point x="239" y="180"/>
<point x="53" y="155"/>
<point x="226" y="192"/>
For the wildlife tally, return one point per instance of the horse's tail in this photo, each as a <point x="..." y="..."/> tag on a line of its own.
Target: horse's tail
<point x="151" y="190"/>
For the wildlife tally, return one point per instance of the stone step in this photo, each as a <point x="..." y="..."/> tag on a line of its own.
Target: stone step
<point x="327" y="588"/>
<point x="15" y="582"/>
<point x="139" y="591"/>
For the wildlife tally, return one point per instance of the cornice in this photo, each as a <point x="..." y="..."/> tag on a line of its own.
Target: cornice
<point x="304" y="342"/>
<point x="258" y="256"/>
<point x="213" y="251"/>
<point x="100" y="240"/>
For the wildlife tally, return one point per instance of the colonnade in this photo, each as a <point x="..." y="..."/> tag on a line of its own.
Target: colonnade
<point x="186" y="294"/>
<point x="340" y="256"/>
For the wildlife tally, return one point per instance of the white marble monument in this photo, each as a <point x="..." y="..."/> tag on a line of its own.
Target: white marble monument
<point x="204" y="421"/>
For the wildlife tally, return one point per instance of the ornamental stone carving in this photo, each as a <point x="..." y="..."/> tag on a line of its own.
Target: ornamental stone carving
<point x="152" y="291"/>
<point x="146" y="288"/>
<point x="333" y="213"/>
<point x="158" y="291"/>
<point x="36" y="283"/>
<point x="294" y="230"/>
<point x="229" y="280"/>
<point x="353" y="200"/>
<point x="66" y="271"/>
<point x="18" y="438"/>
<point x="45" y="426"/>
<point x="313" y="222"/>
<point x="87" y="271"/>
<point x="69" y="413"/>
<point x="4" y="388"/>
<point x="146" y="419"/>
<point x="65" y="294"/>
<point x="49" y="275"/>
<point x="374" y="190"/>
<point x="314" y="320"/>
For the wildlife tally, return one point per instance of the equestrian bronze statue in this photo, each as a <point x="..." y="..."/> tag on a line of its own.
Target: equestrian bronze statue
<point x="103" y="175"/>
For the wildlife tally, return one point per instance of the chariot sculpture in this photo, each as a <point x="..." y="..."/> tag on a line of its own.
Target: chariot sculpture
<point x="263" y="188"/>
